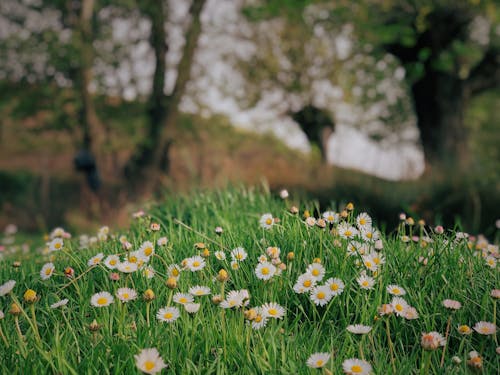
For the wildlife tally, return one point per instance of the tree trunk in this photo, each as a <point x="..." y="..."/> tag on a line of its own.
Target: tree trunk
<point x="163" y="109"/>
<point x="88" y="117"/>
<point x="440" y="101"/>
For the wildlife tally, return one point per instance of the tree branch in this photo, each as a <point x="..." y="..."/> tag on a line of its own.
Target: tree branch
<point x="486" y="74"/>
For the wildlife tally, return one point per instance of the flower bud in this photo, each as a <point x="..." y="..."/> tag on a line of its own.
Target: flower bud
<point x="222" y="276"/>
<point x="30" y="296"/>
<point x="171" y="283"/>
<point x="149" y="295"/>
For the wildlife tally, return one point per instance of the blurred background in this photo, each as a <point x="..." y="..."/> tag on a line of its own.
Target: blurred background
<point x="391" y="104"/>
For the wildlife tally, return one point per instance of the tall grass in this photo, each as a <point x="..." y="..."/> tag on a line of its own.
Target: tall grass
<point x="430" y="267"/>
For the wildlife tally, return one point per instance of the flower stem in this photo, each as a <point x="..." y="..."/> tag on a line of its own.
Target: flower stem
<point x="426" y="361"/>
<point x="391" y="347"/>
<point x="4" y="338"/>
<point x="35" y="325"/>
<point x="446" y="339"/>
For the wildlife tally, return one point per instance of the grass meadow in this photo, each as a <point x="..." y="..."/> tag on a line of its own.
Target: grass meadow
<point x="240" y="282"/>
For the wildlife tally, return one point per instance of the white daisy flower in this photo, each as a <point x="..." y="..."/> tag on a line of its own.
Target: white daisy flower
<point x="273" y="310"/>
<point x="101" y="299"/>
<point x="162" y="241"/>
<point x="346" y="230"/>
<point x="7" y="287"/>
<point x="359" y="329"/>
<point x="127" y="267"/>
<point x="168" y="314"/>
<point x="112" y="261"/>
<point x="265" y="271"/>
<point x="220" y="255"/>
<point x="352" y="247"/>
<point x="199" y="290"/>
<point x="56" y="244"/>
<point x="354" y="366"/>
<point x="260" y="320"/>
<point x="365" y="281"/>
<point x="363" y="220"/>
<point x="147" y="249"/>
<point x="239" y="254"/>
<point x="195" y="263"/>
<point x="183" y="298"/>
<point x="491" y="261"/>
<point x="191" y="307"/>
<point x="369" y="262"/>
<point x="316" y="270"/>
<point x="266" y="221"/>
<point x="304" y="283"/>
<point x="126" y="294"/>
<point x="57" y="232"/>
<point x="318" y="360"/>
<point x="47" y="271"/>
<point x="331" y="217"/>
<point x="60" y="303"/>
<point x="174" y="270"/>
<point x="336" y="286"/>
<point x="235" y="265"/>
<point x="395" y="290"/>
<point x="321" y="295"/>
<point x="149" y="361"/>
<point x="485" y="328"/>
<point x="273" y="251"/>
<point x="310" y="221"/>
<point x="262" y="259"/>
<point x="370" y="234"/>
<point x="95" y="260"/>
<point x="149" y="272"/>
<point x="400" y="306"/>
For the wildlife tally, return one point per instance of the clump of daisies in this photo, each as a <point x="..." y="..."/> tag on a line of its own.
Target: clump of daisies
<point x="322" y="294"/>
<point x="258" y="316"/>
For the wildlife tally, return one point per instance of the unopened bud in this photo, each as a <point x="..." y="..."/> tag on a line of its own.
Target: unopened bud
<point x="30" y="296"/>
<point x="149" y="295"/>
<point x="171" y="283"/>
<point x="15" y="309"/>
<point x="94" y="326"/>
<point x="222" y="275"/>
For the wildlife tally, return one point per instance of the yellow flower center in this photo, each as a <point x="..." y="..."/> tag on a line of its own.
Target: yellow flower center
<point x="399" y="307"/>
<point x="369" y="234"/>
<point x="396" y="291"/>
<point x="376" y="260"/>
<point x="357" y="369"/>
<point x="125" y="295"/>
<point x="319" y="362"/>
<point x="182" y="300"/>
<point x="334" y="287"/>
<point x="199" y="293"/>
<point x="102" y="301"/>
<point x="307" y="283"/>
<point x="148" y="251"/>
<point x="175" y="272"/>
<point x="330" y="218"/>
<point x="149" y="365"/>
<point x="348" y="233"/>
<point x="96" y="260"/>
<point x="269" y="221"/>
<point x="132" y="259"/>
<point x="265" y="271"/>
<point x="168" y="315"/>
<point x="258" y="319"/>
<point x="321" y="295"/>
<point x="48" y="271"/>
<point x="239" y="256"/>
<point x="365" y="283"/>
<point x="315" y="272"/>
<point x="196" y="263"/>
<point x="273" y="312"/>
<point x="112" y="262"/>
<point x="362" y="221"/>
<point x="368" y="264"/>
<point x="57" y="245"/>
